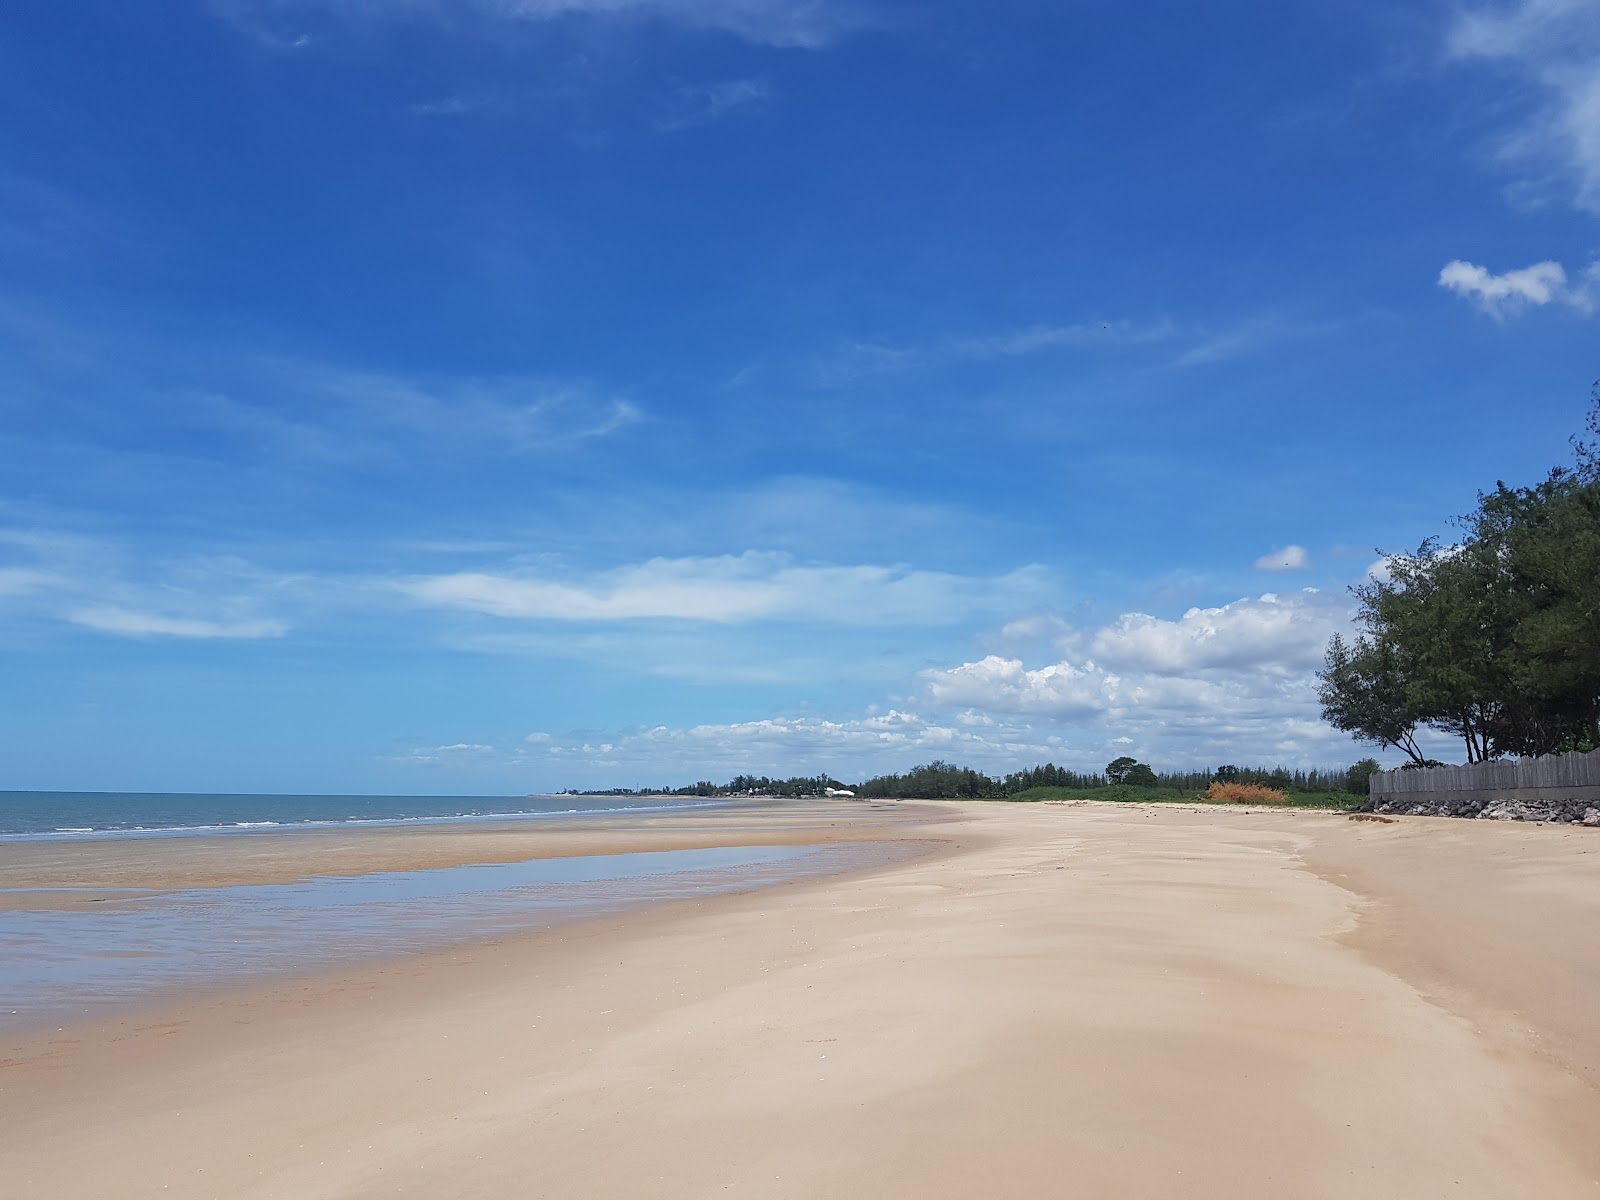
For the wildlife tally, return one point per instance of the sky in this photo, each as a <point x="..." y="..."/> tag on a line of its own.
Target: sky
<point x="500" y="396"/>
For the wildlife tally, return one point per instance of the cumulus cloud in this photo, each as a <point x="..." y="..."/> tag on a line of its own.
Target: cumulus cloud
<point x="128" y="623"/>
<point x="847" y="748"/>
<point x="1290" y="558"/>
<point x="1270" y="633"/>
<point x="1229" y="683"/>
<point x="1237" y="679"/>
<point x="1555" y="44"/>
<point x="729" y="589"/>
<point x="1515" y="291"/>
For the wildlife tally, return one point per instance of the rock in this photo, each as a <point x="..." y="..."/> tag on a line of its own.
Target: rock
<point x="1591" y="817"/>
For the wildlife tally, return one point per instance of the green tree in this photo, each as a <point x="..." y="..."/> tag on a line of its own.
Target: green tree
<point x="1365" y="692"/>
<point x="1130" y="771"/>
<point x="1358" y="780"/>
<point x="1495" y="639"/>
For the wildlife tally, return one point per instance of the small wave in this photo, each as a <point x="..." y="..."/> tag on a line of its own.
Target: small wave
<point x="245" y="828"/>
<point x="75" y="829"/>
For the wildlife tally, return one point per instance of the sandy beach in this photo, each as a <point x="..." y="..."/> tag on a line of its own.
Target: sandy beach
<point x="1051" y="1000"/>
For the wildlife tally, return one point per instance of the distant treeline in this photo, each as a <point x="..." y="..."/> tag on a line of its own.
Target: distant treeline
<point x="942" y="780"/>
<point x="939" y="780"/>
<point x="739" y="785"/>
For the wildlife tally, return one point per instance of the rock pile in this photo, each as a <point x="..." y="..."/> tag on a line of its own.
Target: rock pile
<point x="1489" y="807"/>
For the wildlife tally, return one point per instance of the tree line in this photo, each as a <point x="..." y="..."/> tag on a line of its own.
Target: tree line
<point x="1493" y="638"/>
<point x="940" y="780"/>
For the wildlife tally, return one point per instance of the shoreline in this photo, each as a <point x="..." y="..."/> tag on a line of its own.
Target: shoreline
<point x="1100" y="999"/>
<point x="100" y="929"/>
<point x="288" y="854"/>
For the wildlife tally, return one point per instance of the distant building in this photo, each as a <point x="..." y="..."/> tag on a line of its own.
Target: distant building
<point x="845" y="792"/>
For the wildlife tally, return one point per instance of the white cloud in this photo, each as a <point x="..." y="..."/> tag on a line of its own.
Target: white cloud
<point x="996" y="684"/>
<point x="1290" y="558"/>
<point x="1270" y="634"/>
<point x="1231" y="681"/>
<point x="1556" y="45"/>
<point x="732" y="588"/>
<point x="129" y="623"/>
<point x="1514" y="291"/>
<point x="849" y="748"/>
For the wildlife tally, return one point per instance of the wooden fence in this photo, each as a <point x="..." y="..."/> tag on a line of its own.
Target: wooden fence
<point x="1549" y="778"/>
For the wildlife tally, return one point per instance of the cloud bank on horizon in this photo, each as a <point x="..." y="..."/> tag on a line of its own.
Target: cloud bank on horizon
<point x="508" y="395"/>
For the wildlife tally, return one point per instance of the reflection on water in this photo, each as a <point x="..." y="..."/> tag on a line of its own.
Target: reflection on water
<point x="59" y="963"/>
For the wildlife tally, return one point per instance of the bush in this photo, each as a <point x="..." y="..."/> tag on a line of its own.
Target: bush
<point x="1243" y="793"/>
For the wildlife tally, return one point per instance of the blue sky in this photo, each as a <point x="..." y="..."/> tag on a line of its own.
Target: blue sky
<point x="505" y="395"/>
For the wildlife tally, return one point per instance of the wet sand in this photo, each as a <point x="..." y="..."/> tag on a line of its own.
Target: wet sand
<point x="1063" y="1000"/>
<point x="84" y="870"/>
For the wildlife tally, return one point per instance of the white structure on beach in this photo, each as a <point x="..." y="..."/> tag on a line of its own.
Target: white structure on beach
<point x="846" y="792"/>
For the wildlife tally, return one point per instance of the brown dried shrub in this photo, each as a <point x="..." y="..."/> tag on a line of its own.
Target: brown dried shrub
<point x="1244" y="793"/>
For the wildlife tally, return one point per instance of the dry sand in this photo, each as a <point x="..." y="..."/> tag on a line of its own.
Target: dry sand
<point x="1065" y="1000"/>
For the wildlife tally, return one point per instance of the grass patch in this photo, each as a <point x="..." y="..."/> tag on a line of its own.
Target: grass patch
<point x="1336" y="801"/>
<point x="1131" y="793"/>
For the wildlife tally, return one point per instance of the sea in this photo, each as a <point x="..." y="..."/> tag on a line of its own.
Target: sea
<point x="66" y="815"/>
<point x="68" y="953"/>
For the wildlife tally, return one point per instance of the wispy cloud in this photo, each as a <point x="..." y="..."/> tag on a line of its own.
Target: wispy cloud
<point x="1289" y="558"/>
<point x="449" y="106"/>
<point x="286" y="406"/>
<point x="702" y="104"/>
<point x="1185" y="345"/>
<point x="1246" y="337"/>
<point x="803" y="24"/>
<point x="867" y="359"/>
<point x="100" y="585"/>
<point x="128" y="623"/>
<point x="1554" y="44"/>
<point x="335" y="411"/>
<point x="731" y="589"/>
<point x="1515" y="291"/>
<point x="1034" y="339"/>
